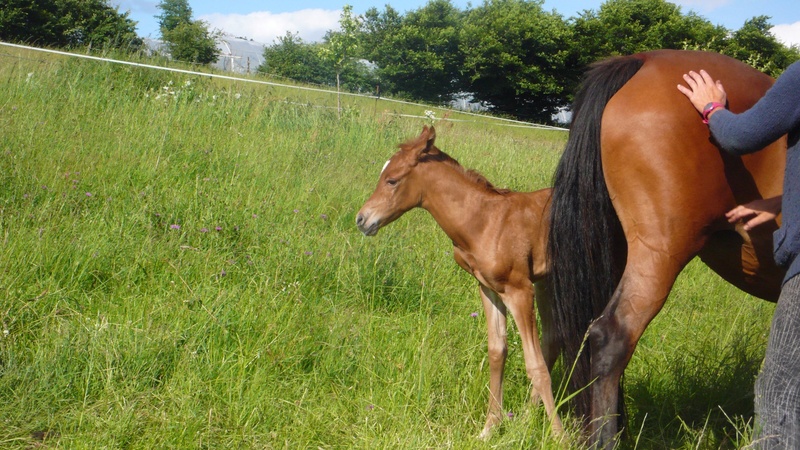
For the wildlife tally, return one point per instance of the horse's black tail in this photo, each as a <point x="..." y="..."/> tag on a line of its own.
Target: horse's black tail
<point x="585" y="233"/>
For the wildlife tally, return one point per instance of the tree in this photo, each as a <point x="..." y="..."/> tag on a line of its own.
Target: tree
<point x="192" y="42"/>
<point x="67" y="23"/>
<point x="173" y="13"/>
<point x="186" y="39"/>
<point x="623" y="27"/>
<point x="377" y="28"/>
<point x="290" y="57"/>
<point x="417" y="55"/>
<point x="517" y="58"/>
<point x="340" y="47"/>
<point x="375" y="40"/>
<point x="757" y="46"/>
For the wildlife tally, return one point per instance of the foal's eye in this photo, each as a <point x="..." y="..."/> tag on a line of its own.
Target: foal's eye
<point x="391" y="182"/>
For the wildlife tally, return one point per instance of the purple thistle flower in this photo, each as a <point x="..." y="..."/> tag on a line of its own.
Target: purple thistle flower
<point x="175" y="226"/>
<point x="474" y="314"/>
<point x="309" y="253"/>
<point x="510" y="414"/>
<point x="204" y="230"/>
<point x="296" y="211"/>
<point x="218" y="228"/>
<point x="88" y="194"/>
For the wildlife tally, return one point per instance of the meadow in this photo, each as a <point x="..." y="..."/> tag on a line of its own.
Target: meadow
<point x="180" y="269"/>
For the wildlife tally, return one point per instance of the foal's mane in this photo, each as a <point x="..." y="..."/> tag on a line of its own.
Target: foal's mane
<point x="438" y="155"/>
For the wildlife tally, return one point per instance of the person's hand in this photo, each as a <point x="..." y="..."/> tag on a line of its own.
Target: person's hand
<point x="702" y="90"/>
<point x="756" y="212"/>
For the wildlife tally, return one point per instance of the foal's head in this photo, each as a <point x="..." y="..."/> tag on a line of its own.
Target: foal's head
<point x="398" y="190"/>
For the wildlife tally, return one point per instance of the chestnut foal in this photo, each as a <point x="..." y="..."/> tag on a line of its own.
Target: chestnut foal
<point x="498" y="236"/>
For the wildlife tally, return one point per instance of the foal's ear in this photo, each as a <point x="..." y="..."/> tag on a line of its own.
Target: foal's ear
<point x="430" y="138"/>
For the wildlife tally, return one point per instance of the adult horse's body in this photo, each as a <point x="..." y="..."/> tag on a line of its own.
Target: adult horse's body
<point x="498" y="236"/>
<point x="640" y="191"/>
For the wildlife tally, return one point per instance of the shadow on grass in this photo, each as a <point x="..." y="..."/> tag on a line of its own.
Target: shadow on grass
<point x="703" y="395"/>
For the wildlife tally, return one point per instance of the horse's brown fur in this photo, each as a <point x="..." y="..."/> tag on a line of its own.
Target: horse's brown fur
<point x="670" y="187"/>
<point x="498" y="237"/>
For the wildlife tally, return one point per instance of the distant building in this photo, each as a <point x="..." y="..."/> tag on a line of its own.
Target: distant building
<point x="238" y="55"/>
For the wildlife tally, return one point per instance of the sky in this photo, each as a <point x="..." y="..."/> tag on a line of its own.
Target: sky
<point x="264" y="21"/>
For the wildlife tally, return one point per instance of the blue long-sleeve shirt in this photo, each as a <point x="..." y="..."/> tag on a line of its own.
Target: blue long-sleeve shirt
<point x="776" y="114"/>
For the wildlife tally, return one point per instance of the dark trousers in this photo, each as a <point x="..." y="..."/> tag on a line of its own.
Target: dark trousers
<point x="777" y="390"/>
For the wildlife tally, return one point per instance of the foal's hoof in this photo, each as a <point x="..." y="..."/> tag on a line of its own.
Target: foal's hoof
<point x="485" y="434"/>
<point x="492" y="421"/>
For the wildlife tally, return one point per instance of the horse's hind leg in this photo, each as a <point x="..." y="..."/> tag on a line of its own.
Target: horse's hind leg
<point x="640" y="295"/>
<point x="495" y="312"/>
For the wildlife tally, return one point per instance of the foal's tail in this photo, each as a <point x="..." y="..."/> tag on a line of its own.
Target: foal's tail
<point x="585" y="230"/>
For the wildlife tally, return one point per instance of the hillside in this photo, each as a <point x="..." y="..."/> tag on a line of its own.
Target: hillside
<point x="180" y="269"/>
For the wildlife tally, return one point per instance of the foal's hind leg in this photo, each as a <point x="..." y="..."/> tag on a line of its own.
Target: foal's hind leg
<point x="520" y="302"/>
<point x="495" y="312"/>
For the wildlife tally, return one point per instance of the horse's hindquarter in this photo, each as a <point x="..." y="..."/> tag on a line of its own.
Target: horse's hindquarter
<point x="671" y="186"/>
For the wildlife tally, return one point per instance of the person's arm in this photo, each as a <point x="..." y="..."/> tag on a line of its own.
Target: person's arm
<point x="756" y="212"/>
<point x="771" y="117"/>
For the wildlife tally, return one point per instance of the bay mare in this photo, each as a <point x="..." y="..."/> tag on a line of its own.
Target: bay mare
<point x="640" y="190"/>
<point x="499" y="237"/>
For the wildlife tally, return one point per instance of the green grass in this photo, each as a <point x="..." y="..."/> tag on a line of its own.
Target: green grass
<point x="183" y="271"/>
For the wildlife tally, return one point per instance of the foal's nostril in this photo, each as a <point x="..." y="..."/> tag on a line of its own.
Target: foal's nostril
<point x="359" y="220"/>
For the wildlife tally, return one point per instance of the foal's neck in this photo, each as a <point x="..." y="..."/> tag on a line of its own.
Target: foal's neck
<point x="457" y="201"/>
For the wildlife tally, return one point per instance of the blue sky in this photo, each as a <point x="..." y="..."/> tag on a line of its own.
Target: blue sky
<point x="263" y="21"/>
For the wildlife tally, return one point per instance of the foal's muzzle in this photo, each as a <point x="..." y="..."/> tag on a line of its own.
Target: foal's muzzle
<point x="369" y="229"/>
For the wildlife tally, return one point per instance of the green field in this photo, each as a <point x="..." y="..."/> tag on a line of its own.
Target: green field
<point x="180" y="269"/>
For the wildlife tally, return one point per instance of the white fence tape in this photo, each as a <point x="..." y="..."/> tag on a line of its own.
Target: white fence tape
<point x="506" y="122"/>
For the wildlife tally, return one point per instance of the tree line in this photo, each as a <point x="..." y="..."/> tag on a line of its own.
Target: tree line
<point x="67" y="24"/>
<point x="98" y="24"/>
<point x="512" y="56"/>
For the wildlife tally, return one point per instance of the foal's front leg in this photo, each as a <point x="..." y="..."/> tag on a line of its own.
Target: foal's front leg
<point x="495" y="312"/>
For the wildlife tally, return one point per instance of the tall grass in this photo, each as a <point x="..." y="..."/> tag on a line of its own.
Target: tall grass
<point x="180" y="269"/>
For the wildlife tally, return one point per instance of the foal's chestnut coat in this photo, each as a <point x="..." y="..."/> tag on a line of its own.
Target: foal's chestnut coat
<point x="498" y="236"/>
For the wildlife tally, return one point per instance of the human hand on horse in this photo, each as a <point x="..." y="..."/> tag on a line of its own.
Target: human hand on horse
<point x="704" y="93"/>
<point x="759" y="212"/>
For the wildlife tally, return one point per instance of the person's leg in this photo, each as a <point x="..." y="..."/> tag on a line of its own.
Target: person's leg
<point x="777" y="390"/>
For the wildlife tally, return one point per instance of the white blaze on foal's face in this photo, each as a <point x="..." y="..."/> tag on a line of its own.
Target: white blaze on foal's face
<point x="384" y="166"/>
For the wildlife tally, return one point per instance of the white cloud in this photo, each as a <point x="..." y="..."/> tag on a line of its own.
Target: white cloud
<point x="265" y="27"/>
<point x="788" y="33"/>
